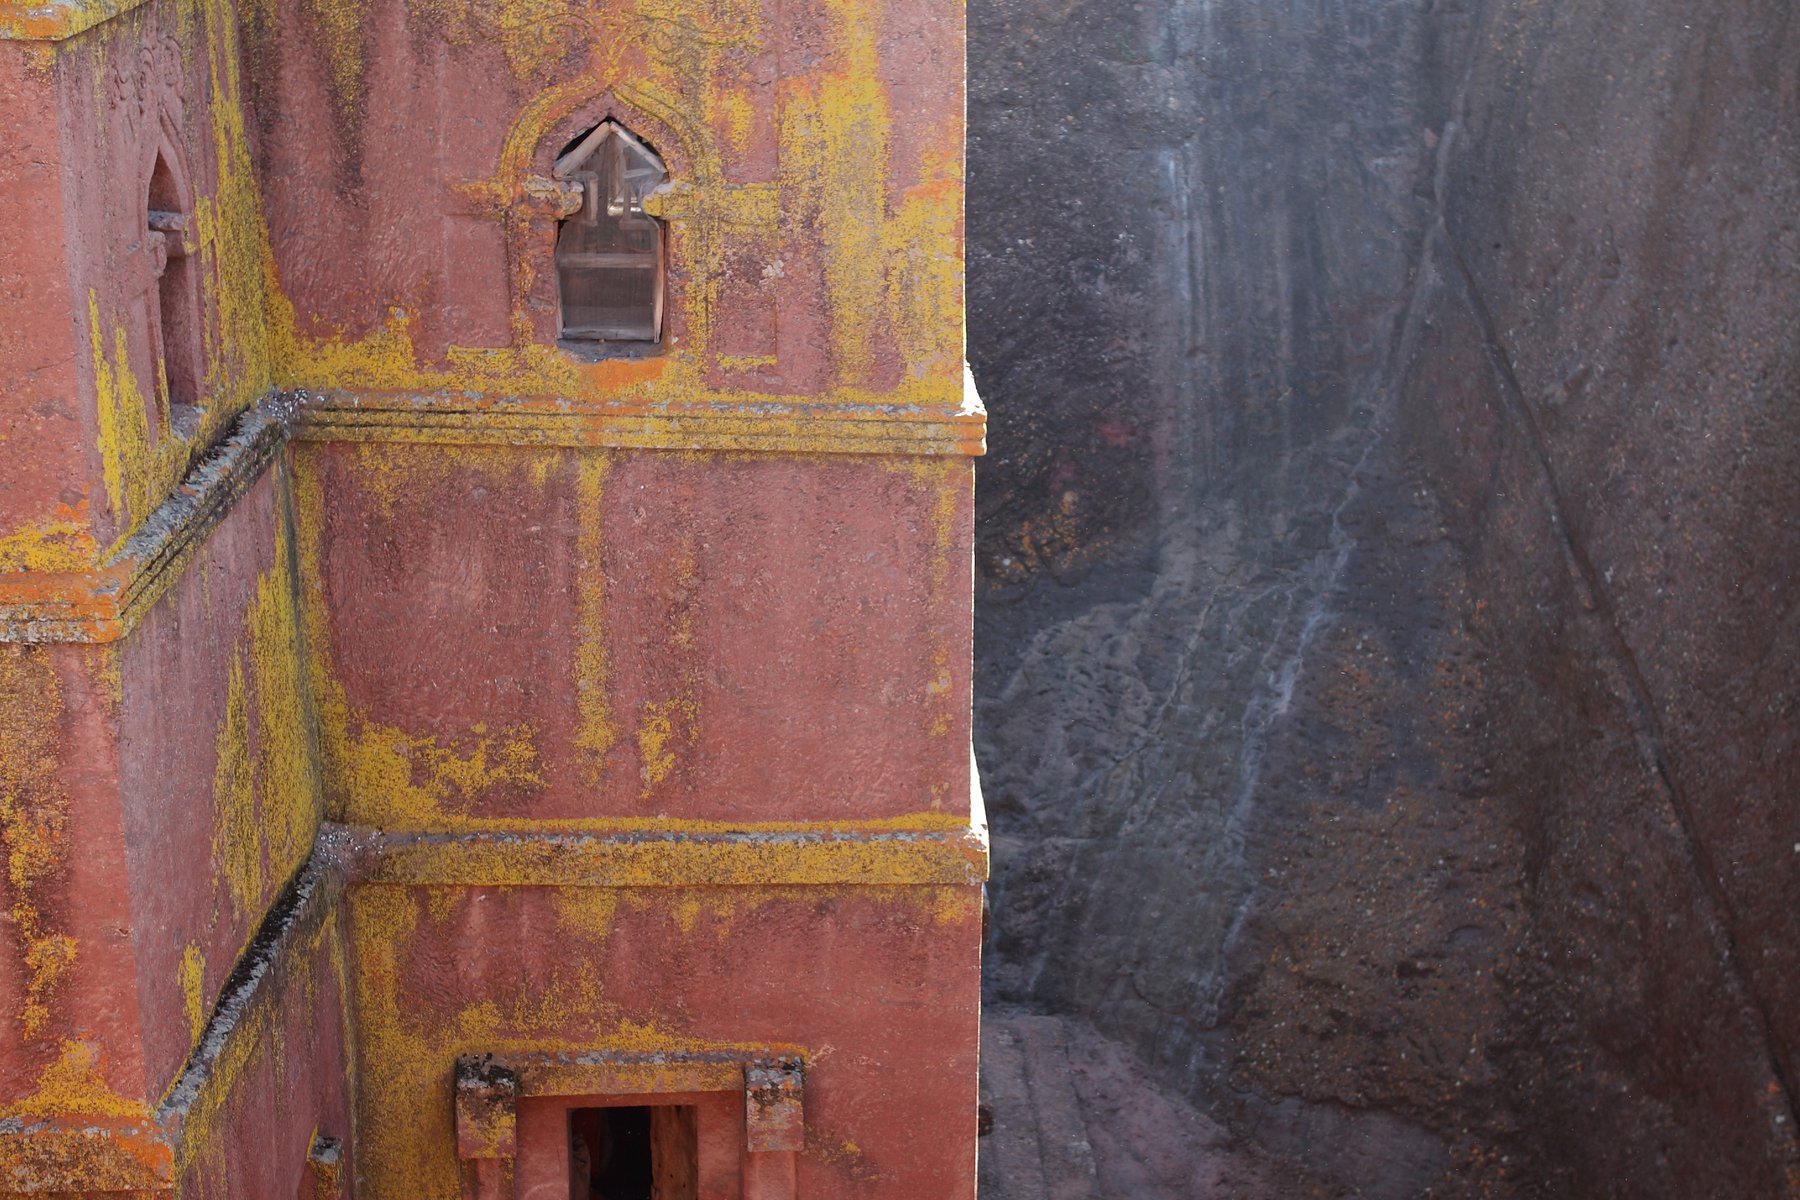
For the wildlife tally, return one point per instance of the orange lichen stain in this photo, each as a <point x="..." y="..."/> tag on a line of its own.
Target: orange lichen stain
<point x="34" y="816"/>
<point x="65" y="542"/>
<point x="925" y="283"/>
<point x="594" y="732"/>
<point x="191" y="978"/>
<point x="74" y="1086"/>
<point x="35" y="20"/>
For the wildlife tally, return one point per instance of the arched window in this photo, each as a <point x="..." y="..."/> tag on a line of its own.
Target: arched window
<point x="175" y="318"/>
<point x="609" y="255"/>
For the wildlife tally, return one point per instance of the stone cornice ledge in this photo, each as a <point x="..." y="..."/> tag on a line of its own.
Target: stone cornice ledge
<point x="55" y="20"/>
<point x="145" y="1153"/>
<point x="796" y="427"/>
<point x="532" y="858"/>
<point x="104" y="604"/>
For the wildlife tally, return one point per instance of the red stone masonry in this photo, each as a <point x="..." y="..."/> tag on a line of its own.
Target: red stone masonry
<point x="419" y="737"/>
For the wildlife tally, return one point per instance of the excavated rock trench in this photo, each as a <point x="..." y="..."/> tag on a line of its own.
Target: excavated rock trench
<point x="1388" y="655"/>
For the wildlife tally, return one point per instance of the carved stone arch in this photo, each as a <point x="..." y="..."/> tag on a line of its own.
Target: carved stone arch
<point x="165" y="146"/>
<point x="524" y="195"/>
<point x="678" y="139"/>
<point x="172" y="295"/>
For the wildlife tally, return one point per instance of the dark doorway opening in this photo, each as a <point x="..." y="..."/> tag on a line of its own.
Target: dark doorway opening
<point x="637" y="1152"/>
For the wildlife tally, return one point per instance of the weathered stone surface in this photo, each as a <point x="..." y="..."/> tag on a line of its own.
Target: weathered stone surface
<point x="1386" y="573"/>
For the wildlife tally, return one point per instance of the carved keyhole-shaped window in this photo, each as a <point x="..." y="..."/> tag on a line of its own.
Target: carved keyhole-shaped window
<point x="609" y="254"/>
<point x="175" y="319"/>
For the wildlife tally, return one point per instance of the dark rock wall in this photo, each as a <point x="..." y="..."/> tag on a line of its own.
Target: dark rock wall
<point x="1387" y="630"/>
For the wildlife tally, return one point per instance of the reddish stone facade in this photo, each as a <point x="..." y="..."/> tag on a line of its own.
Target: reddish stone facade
<point x="418" y="732"/>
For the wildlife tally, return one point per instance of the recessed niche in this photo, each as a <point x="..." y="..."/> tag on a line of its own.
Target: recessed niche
<point x="637" y="1152"/>
<point x="610" y="254"/>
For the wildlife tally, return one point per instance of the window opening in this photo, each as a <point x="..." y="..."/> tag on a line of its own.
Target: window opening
<point x="175" y="325"/>
<point x="633" y="1153"/>
<point x="610" y="254"/>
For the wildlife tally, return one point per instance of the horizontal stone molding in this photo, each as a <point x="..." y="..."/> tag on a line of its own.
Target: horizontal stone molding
<point x="146" y="1154"/>
<point x="615" y="1073"/>
<point x="778" y="428"/>
<point x="489" y="1087"/>
<point x="105" y="604"/>
<point x="838" y="857"/>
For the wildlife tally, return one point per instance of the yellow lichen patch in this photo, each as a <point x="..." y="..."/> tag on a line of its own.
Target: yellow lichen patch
<point x="714" y="913"/>
<point x="288" y="767"/>
<point x="406" y="1050"/>
<point x="678" y="862"/>
<point x="833" y="159"/>
<point x="63" y="543"/>
<point x="924" y="821"/>
<point x="395" y="780"/>
<point x="340" y="31"/>
<point x="399" y="482"/>
<point x="232" y="239"/>
<point x="665" y="725"/>
<point x="892" y="280"/>
<point x="74" y="1086"/>
<point x="925" y="283"/>
<point x="594" y="733"/>
<point x="853" y="114"/>
<point x="954" y="905"/>
<point x="381" y="774"/>
<point x="736" y="113"/>
<point x="586" y="913"/>
<point x="267" y="789"/>
<point x="191" y="978"/>
<point x="228" y="240"/>
<point x="259" y="1038"/>
<point x="34" y="815"/>
<point x="124" y="423"/>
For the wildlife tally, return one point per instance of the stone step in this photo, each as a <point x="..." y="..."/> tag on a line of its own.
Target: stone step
<point x="1039" y="1147"/>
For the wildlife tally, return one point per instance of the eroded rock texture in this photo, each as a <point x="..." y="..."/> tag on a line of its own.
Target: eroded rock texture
<point x="1389" y="650"/>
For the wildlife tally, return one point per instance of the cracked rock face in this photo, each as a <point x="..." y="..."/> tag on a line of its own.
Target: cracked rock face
<point x="1388" y="649"/>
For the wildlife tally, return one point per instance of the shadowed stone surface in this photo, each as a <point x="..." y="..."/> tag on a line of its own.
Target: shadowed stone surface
<point x="1388" y="642"/>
